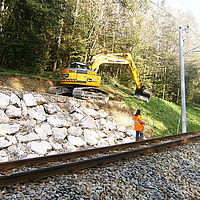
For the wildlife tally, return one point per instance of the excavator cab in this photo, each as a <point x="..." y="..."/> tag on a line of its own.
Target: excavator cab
<point x="79" y="65"/>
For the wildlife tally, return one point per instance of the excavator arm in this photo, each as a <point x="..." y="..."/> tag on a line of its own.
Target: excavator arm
<point x="123" y="59"/>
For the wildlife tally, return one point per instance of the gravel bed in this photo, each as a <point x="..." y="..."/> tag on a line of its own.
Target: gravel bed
<point x="171" y="174"/>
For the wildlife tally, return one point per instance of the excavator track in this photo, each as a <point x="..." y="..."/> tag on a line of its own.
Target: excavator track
<point x="81" y="92"/>
<point x="91" y="93"/>
<point x="60" y="90"/>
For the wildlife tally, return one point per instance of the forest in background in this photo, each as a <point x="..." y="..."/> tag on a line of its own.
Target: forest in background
<point x="43" y="36"/>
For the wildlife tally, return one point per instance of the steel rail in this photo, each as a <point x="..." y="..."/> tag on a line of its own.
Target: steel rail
<point x="75" y="166"/>
<point x="77" y="154"/>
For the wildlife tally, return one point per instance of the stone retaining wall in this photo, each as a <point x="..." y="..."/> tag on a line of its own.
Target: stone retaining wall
<point x="34" y="124"/>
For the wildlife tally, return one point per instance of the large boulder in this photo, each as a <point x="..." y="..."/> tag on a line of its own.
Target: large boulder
<point x="131" y="132"/>
<point x="111" y="124"/>
<point x="4" y="143"/>
<point x="3" y="156"/>
<point x="88" y="123"/>
<point x="40" y="100"/>
<point x="73" y="106"/>
<point x="15" y="100"/>
<point x="3" y="117"/>
<point x="13" y="112"/>
<point x="17" y="150"/>
<point x="57" y="121"/>
<point x="69" y="147"/>
<point x="101" y="124"/>
<point x="5" y="99"/>
<point x="55" y="145"/>
<point x="121" y="129"/>
<point x="29" y="100"/>
<point x="43" y="130"/>
<point x="76" y="141"/>
<point x="90" y="137"/>
<point x="77" y="117"/>
<point x="59" y="134"/>
<point x="51" y="108"/>
<point x="40" y="147"/>
<point x="91" y="112"/>
<point x="9" y="129"/>
<point x="75" y="131"/>
<point x="24" y="109"/>
<point x="128" y="139"/>
<point x="11" y="139"/>
<point x="27" y="138"/>
<point x="37" y="113"/>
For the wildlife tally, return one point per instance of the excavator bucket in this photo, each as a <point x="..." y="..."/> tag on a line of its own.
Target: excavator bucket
<point x="143" y="94"/>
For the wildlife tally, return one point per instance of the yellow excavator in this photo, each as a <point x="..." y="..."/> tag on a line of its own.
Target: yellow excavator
<point x="81" y="80"/>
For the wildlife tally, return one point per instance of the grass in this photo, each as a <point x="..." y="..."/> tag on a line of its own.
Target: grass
<point x="162" y="117"/>
<point x="46" y="75"/>
<point x="165" y="116"/>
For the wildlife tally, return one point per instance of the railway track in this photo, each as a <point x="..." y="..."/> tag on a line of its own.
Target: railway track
<point x="36" y="168"/>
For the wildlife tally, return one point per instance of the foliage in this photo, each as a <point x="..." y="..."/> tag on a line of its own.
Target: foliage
<point x="24" y="27"/>
<point x="43" y="36"/>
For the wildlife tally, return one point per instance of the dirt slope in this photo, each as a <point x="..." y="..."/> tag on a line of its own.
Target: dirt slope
<point x="25" y="83"/>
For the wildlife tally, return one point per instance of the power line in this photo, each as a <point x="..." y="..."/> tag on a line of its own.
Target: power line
<point x="164" y="10"/>
<point x="167" y="12"/>
<point x="180" y="1"/>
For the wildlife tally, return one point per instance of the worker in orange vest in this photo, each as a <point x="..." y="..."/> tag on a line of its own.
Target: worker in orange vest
<point x="139" y="125"/>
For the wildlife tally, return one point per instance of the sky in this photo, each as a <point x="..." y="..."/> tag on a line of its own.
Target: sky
<point x="191" y="5"/>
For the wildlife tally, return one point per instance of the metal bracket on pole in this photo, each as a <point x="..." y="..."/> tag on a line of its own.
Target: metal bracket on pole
<point x="193" y="50"/>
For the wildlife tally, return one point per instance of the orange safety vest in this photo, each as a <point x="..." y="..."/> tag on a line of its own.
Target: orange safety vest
<point x="138" y="123"/>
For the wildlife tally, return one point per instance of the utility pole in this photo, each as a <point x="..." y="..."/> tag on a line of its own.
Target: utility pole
<point x="183" y="98"/>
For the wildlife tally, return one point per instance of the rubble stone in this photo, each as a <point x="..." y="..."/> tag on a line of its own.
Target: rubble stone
<point x="59" y="134"/>
<point x="40" y="147"/>
<point x="15" y="100"/>
<point x="4" y="143"/>
<point x="3" y="117"/>
<point x="13" y="112"/>
<point x="76" y="141"/>
<point x="56" y="121"/>
<point x="37" y="113"/>
<point x="4" y="101"/>
<point x="9" y="129"/>
<point x="29" y="100"/>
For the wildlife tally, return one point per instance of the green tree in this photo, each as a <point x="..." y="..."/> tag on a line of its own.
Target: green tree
<point x="25" y="26"/>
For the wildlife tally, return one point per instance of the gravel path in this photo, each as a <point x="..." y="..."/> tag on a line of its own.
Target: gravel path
<point x="171" y="174"/>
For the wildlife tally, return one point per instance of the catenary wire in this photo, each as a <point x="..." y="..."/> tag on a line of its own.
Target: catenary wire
<point x="164" y="10"/>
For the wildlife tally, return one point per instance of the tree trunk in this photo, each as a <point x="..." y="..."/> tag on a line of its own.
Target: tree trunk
<point x="2" y="8"/>
<point x="55" y="66"/>
<point x="165" y="78"/>
<point x="2" y="5"/>
<point x="59" y="42"/>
